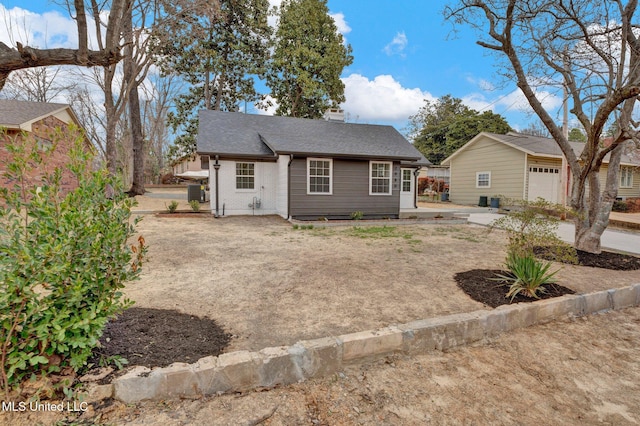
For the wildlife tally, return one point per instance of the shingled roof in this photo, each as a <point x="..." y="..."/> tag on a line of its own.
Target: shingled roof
<point x="533" y="145"/>
<point x="18" y="114"/>
<point x="250" y="135"/>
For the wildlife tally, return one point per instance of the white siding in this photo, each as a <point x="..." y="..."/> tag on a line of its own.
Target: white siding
<point x="237" y="202"/>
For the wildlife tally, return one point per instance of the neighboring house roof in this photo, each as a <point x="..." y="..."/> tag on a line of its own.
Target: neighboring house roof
<point x="20" y="115"/>
<point x="533" y="145"/>
<point x="422" y="162"/>
<point x="249" y="135"/>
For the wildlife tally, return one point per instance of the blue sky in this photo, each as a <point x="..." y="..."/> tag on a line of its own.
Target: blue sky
<point x="404" y="52"/>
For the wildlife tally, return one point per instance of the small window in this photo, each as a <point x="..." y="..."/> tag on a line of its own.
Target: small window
<point x="43" y="144"/>
<point x="406" y="180"/>
<point x="319" y="176"/>
<point x="483" y="180"/>
<point x="245" y="175"/>
<point x="380" y="178"/>
<point x="626" y="177"/>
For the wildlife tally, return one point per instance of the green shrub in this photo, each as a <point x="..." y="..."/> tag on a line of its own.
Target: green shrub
<point x="357" y="215"/>
<point x="619" y="206"/>
<point x="195" y="205"/>
<point x="527" y="276"/>
<point x="532" y="226"/>
<point x="172" y="207"/>
<point x="64" y="259"/>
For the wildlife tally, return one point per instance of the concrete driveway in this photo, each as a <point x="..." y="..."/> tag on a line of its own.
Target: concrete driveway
<point x="626" y="241"/>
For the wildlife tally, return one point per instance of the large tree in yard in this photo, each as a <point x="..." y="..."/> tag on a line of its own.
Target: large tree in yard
<point x="308" y="58"/>
<point x="444" y="125"/>
<point x="107" y="53"/>
<point x="217" y="47"/>
<point x="592" y="50"/>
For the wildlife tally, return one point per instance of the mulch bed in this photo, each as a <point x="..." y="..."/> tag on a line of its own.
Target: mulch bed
<point x="479" y="284"/>
<point x="200" y="214"/>
<point x="159" y="337"/>
<point x="604" y="260"/>
<point x="609" y="260"/>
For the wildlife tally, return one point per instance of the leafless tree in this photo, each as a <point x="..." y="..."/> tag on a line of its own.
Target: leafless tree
<point x="108" y="52"/>
<point x="43" y="84"/>
<point x="158" y="96"/>
<point x="590" y="48"/>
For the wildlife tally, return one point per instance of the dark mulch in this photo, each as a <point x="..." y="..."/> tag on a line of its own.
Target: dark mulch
<point x="604" y="260"/>
<point x="159" y="337"/>
<point x="480" y="286"/>
<point x="609" y="260"/>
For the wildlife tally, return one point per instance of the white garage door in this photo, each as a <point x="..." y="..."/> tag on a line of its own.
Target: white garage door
<point x="544" y="182"/>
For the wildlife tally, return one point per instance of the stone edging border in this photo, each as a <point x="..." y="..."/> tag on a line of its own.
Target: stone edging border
<point x="243" y="370"/>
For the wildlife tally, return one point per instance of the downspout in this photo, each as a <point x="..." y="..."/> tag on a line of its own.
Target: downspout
<point x="216" y="167"/>
<point x="289" y="186"/>
<point x="416" y="173"/>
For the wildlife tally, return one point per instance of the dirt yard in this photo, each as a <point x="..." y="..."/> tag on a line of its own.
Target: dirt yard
<point x="269" y="284"/>
<point x="581" y="372"/>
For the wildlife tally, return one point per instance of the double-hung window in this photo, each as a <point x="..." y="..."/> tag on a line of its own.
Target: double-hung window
<point x="380" y="178"/>
<point x="245" y="176"/>
<point x="319" y="176"/>
<point x="483" y="180"/>
<point x="626" y="177"/>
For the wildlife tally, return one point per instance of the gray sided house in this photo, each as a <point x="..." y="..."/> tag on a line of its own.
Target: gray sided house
<point x="306" y="169"/>
<point x="522" y="167"/>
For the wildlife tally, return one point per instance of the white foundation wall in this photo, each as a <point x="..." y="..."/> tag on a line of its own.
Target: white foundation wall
<point x="234" y="201"/>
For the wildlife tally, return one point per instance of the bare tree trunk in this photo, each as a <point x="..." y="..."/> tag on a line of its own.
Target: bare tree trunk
<point x="111" y="121"/>
<point x="594" y="217"/>
<point x="137" y="184"/>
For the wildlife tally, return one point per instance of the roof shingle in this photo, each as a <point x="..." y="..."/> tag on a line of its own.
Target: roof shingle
<point x="232" y="133"/>
<point x="14" y="113"/>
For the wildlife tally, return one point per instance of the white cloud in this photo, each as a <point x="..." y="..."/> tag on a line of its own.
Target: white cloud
<point x="270" y="103"/>
<point x="381" y="99"/>
<point x="397" y="45"/>
<point x="341" y="23"/>
<point x="272" y="20"/>
<point x="48" y="30"/>
<point x="484" y="85"/>
<point x="514" y="101"/>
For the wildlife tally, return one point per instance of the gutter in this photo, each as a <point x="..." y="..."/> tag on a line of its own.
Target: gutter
<point x="289" y="187"/>
<point x="416" y="174"/>
<point x="216" y="167"/>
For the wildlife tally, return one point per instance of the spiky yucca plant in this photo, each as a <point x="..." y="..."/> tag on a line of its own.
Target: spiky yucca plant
<point x="527" y="276"/>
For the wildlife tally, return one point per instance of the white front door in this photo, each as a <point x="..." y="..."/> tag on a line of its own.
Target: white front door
<point x="544" y="182"/>
<point x="407" y="189"/>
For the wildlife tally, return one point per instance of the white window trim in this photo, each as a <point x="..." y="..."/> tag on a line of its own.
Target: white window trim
<point x="402" y="181"/>
<point x="630" y="172"/>
<point x="477" y="180"/>
<point x="235" y="175"/>
<point x="371" y="163"/>
<point x="330" y="160"/>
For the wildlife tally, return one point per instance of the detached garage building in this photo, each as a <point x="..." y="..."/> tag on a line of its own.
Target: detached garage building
<point x="521" y="167"/>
